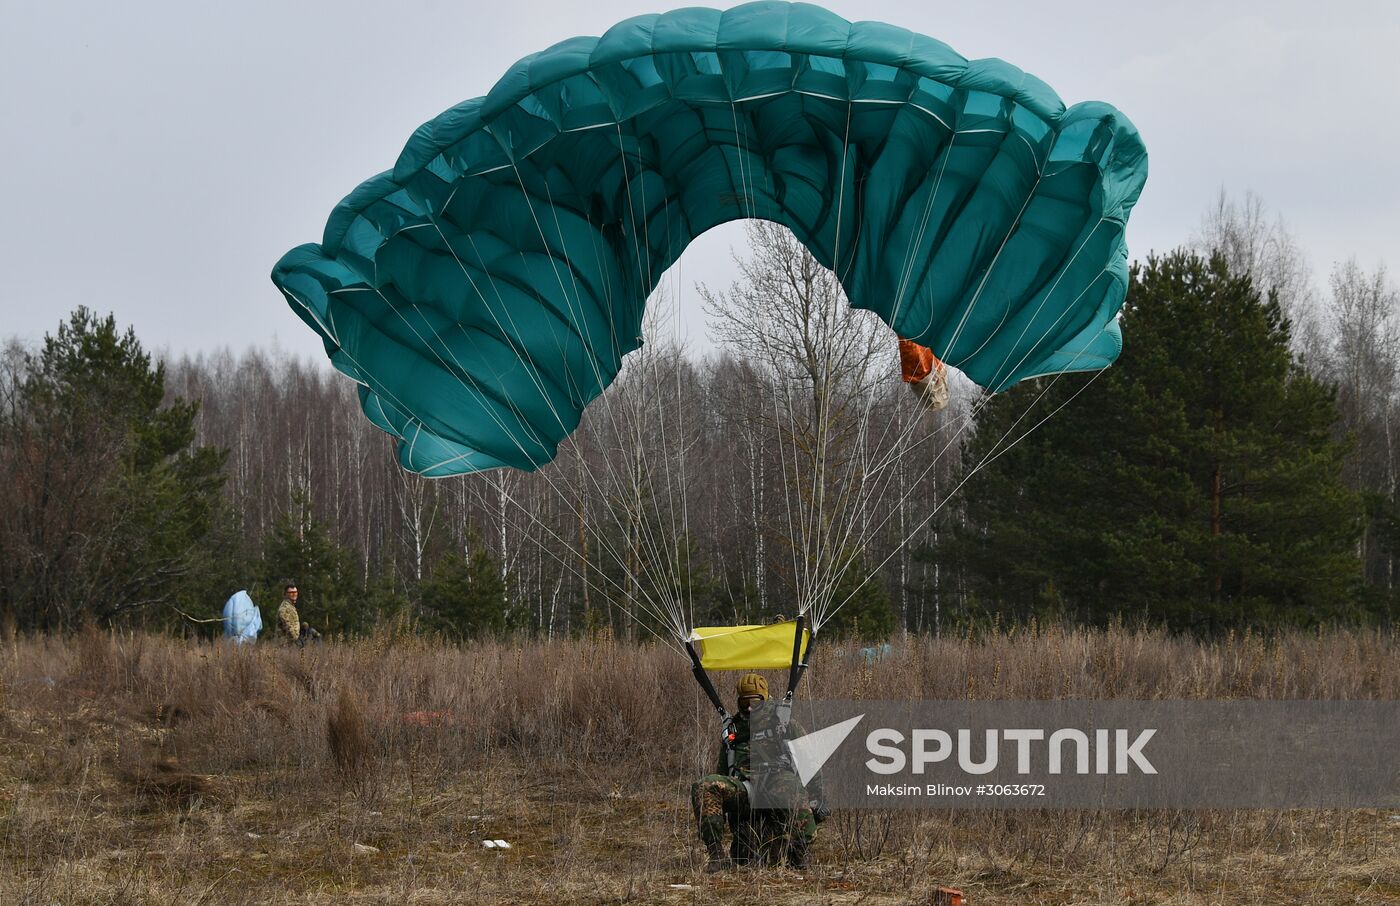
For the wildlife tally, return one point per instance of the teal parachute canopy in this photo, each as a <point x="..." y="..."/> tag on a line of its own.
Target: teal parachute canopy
<point x="486" y="288"/>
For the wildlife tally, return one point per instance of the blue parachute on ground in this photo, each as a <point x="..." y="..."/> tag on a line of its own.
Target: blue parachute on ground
<point x="242" y="619"/>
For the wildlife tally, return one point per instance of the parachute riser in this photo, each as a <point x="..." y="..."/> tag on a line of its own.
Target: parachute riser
<point x="799" y="658"/>
<point x="708" y="687"/>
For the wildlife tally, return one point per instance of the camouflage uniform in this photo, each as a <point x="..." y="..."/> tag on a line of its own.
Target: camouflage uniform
<point x="722" y="798"/>
<point x="288" y="622"/>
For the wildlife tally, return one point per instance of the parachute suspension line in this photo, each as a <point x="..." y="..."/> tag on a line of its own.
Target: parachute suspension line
<point x="867" y="489"/>
<point x="816" y="534"/>
<point x="907" y="429"/>
<point x="915" y="243"/>
<point x="805" y="571"/>
<point x="607" y="394"/>
<point x="670" y="641"/>
<point x="607" y="287"/>
<point x="987" y="275"/>
<point x="970" y="419"/>
<point x="679" y="540"/>
<point x="825" y="524"/>
<point x="651" y="376"/>
<point x="824" y="402"/>
<point x="916" y="240"/>
<point x="825" y="610"/>
<point x="670" y="559"/>
<point x="903" y="437"/>
<point x="688" y="586"/>
<point x="746" y="199"/>
<point x="801" y="542"/>
<point x="800" y="558"/>
<point x="802" y="567"/>
<point x="991" y="456"/>
<point x="574" y="440"/>
<point x="646" y="209"/>
<point x="607" y="406"/>
<point x="631" y="206"/>
<point x="674" y="591"/>
<point x="1046" y="298"/>
<point x="797" y="566"/>
<point x="674" y="607"/>
<point x="870" y="485"/>
<point x="906" y="274"/>
<point x="384" y="391"/>
<point x="858" y="495"/>
<point x="588" y="338"/>
<point x="775" y="381"/>
<point x="643" y="528"/>
<point x="531" y="371"/>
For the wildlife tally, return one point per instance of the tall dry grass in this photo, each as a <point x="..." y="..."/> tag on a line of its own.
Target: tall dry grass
<point x="143" y="763"/>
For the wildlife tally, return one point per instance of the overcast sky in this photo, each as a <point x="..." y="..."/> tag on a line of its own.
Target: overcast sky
<point x="158" y="157"/>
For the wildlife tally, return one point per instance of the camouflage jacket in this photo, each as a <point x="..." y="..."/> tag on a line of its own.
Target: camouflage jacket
<point x="288" y="622"/>
<point x="740" y="748"/>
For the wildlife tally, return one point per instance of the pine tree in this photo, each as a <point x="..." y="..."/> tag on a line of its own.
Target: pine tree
<point x="108" y="497"/>
<point x="864" y="610"/>
<point x="1195" y="483"/>
<point x="465" y="597"/>
<point x="301" y="551"/>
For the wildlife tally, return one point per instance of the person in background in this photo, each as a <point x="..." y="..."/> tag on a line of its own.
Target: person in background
<point x="288" y="620"/>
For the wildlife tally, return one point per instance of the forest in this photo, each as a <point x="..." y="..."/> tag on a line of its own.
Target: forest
<point x="1236" y="468"/>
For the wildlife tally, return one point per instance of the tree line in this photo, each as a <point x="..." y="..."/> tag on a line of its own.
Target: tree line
<point x="1236" y="467"/>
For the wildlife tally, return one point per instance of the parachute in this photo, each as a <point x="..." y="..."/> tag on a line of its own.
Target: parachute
<point x="486" y="289"/>
<point x="242" y="619"/>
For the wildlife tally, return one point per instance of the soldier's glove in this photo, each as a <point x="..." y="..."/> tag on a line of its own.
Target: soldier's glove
<point x="820" y="812"/>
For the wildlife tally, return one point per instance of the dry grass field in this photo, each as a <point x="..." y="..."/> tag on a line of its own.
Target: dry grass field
<point x="148" y="770"/>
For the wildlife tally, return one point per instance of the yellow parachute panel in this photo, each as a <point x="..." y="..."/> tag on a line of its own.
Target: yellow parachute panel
<point x="766" y="647"/>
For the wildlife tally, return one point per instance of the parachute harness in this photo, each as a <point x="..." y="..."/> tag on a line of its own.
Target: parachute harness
<point x="783" y="709"/>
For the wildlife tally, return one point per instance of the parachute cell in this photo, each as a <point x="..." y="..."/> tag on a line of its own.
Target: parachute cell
<point x="487" y="288"/>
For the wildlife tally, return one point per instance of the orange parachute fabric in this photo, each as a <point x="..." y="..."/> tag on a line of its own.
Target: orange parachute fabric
<point x="917" y="362"/>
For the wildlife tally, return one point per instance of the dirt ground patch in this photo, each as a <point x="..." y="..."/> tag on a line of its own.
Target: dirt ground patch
<point x="130" y="774"/>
